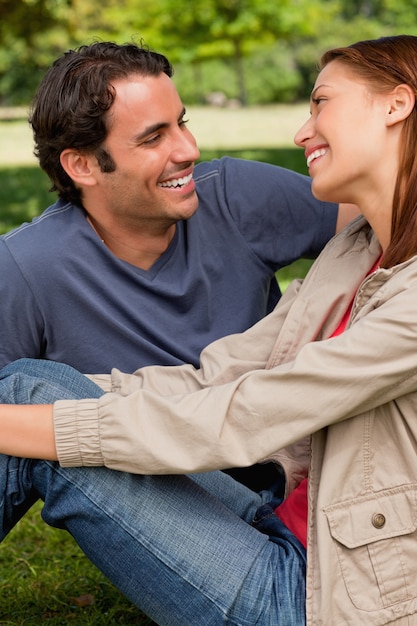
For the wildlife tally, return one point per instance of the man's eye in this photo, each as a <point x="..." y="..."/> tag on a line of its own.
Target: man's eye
<point x="152" y="139"/>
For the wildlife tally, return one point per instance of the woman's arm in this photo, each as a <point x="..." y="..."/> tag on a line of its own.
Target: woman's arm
<point x="244" y="420"/>
<point x="27" y="431"/>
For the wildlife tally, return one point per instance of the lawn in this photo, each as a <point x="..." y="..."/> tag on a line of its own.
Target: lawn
<point x="44" y="576"/>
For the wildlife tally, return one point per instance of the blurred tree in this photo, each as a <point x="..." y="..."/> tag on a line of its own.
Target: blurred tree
<point x="401" y="15"/>
<point x="398" y="14"/>
<point x="31" y="33"/>
<point x="219" y="29"/>
<point x="25" y="18"/>
<point x="242" y="40"/>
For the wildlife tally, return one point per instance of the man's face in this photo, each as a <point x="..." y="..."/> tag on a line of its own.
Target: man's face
<point x="154" y="153"/>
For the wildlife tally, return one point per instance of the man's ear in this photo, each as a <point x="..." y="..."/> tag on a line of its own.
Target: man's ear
<point x="401" y="102"/>
<point x="78" y="167"/>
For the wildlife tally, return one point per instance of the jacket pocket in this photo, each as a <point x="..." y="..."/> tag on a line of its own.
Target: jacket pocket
<point x="376" y="542"/>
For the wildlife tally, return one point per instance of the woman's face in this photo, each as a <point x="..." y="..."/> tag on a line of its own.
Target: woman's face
<point x="345" y="140"/>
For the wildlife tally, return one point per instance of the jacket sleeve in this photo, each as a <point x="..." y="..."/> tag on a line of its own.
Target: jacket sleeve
<point x="240" y="420"/>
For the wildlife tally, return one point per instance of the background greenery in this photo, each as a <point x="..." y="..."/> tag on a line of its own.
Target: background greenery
<point x="252" y="51"/>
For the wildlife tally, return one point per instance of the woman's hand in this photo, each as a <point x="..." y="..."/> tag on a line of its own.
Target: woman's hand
<point x="27" y="431"/>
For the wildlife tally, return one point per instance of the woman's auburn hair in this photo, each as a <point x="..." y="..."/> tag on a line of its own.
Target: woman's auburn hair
<point x="384" y="64"/>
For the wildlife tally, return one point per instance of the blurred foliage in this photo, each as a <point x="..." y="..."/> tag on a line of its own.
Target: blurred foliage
<point x="24" y="190"/>
<point x="23" y="195"/>
<point x="253" y="51"/>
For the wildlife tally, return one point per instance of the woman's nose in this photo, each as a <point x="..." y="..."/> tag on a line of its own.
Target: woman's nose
<point x="304" y="133"/>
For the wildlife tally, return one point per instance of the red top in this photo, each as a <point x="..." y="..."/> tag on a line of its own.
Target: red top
<point x="293" y="511"/>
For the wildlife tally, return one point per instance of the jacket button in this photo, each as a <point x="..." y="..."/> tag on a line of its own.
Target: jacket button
<point x="378" y="520"/>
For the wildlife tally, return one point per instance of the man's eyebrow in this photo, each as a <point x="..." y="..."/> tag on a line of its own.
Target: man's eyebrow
<point x="153" y="128"/>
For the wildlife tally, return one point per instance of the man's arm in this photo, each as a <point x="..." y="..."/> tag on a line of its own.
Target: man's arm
<point x="21" y="322"/>
<point x="345" y="214"/>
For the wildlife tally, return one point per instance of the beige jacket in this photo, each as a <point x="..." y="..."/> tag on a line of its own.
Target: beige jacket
<point x="356" y="393"/>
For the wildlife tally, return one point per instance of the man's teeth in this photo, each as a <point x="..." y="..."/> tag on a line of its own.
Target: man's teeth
<point x="315" y="155"/>
<point x="177" y="182"/>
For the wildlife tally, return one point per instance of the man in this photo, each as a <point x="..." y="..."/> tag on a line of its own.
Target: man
<point x="146" y="257"/>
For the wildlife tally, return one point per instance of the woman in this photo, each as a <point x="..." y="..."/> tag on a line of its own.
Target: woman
<point x="335" y="360"/>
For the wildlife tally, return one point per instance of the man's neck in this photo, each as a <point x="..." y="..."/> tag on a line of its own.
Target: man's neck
<point x="140" y="248"/>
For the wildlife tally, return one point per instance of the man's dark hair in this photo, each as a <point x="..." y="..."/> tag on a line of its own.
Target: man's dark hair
<point x="70" y="106"/>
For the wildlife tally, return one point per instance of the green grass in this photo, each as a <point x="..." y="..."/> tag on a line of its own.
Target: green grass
<point x="44" y="576"/>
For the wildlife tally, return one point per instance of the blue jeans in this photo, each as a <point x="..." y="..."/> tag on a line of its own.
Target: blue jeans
<point x="197" y="550"/>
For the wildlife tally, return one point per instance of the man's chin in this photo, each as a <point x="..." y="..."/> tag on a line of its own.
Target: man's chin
<point x="187" y="210"/>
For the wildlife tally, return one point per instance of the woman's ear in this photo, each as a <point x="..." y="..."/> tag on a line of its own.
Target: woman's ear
<point x="401" y="102"/>
<point x="78" y="167"/>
